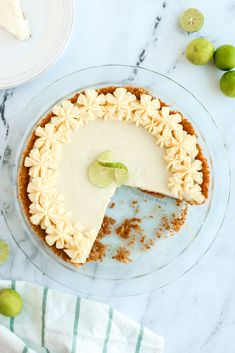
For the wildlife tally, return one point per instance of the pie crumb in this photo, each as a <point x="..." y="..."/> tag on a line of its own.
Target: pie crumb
<point x="98" y="252"/>
<point x="105" y="229"/>
<point x="174" y="224"/>
<point x="132" y="242"/>
<point x="158" y="234"/>
<point x="178" y="221"/>
<point x="147" y="245"/>
<point x="122" y="255"/>
<point x="124" y="230"/>
<point x="178" y="202"/>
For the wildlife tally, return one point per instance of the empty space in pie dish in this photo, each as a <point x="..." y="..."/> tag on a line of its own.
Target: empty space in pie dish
<point x="129" y="144"/>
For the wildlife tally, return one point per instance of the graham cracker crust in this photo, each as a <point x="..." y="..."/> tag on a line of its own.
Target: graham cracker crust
<point x="98" y="249"/>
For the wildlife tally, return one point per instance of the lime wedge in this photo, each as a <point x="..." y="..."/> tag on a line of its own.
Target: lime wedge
<point x="121" y="176"/>
<point x="99" y="175"/>
<point x="105" y="157"/>
<point x="4" y="252"/>
<point x="191" y="20"/>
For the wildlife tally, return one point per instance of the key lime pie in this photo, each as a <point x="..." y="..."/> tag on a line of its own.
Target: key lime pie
<point x="90" y="144"/>
<point x="12" y="19"/>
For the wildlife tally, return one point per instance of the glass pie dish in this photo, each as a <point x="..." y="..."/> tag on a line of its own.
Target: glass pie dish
<point x="173" y="256"/>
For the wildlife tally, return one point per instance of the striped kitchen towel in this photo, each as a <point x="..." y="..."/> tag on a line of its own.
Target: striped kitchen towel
<point x="55" y="322"/>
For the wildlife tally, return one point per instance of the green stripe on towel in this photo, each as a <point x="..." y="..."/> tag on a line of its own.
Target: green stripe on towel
<point x="139" y="340"/>
<point x="12" y="319"/>
<point x="25" y="350"/>
<point x="44" y="303"/>
<point x="75" y="325"/>
<point x="108" y="332"/>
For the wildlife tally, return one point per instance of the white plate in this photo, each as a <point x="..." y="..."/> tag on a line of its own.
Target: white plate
<point x="51" y="24"/>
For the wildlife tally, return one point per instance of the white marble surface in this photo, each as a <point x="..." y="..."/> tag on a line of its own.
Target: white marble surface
<point x="196" y="313"/>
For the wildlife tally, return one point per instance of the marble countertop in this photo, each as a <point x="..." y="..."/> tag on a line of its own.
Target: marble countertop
<point x="197" y="312"/>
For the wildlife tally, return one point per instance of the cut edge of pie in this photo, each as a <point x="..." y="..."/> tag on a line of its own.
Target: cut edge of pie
<point x="24" y="178"/>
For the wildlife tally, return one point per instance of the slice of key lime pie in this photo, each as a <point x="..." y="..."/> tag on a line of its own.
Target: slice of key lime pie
<point x="12" y="19"/>
<point x="92" y="143"/>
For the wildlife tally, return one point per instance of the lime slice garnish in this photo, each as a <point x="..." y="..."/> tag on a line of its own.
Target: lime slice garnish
<point x="115" y="165"/>
<point x="4" y="252"/>
<point x="11" y="302"/>
<point x="103" y="171"/>
<point x="191" y="20"/>
<point x="105" y="157"/>
<point x="100" y="176"/>
<point x="120" y="171"/>
<point x="121" y="176"/>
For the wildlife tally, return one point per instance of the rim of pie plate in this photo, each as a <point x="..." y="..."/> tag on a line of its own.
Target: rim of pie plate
<point x="173" y="133"/>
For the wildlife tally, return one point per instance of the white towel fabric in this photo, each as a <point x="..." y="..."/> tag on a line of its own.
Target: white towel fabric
<point x="55" y="322"/>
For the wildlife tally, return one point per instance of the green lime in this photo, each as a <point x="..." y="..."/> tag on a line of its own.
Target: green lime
<point x="121" y="175"/>
<point x="10" y="303"/>
<point x="224" y="57"/>
<point x="105" y="157"/>
<point x="99" y="175"/>
<point x="199" y="51"/>
<point x="227" y="84"/>
<point x="191" y="20"/>
<point x="4" y="252"/>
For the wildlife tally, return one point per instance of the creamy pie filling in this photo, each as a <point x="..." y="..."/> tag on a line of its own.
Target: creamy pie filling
<point x="130" y="144"/>
<point x="147" y="137"/>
